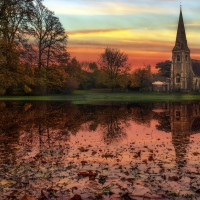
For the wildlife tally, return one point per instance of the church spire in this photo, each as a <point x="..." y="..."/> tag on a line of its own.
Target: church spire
<point x="181" y="41"/>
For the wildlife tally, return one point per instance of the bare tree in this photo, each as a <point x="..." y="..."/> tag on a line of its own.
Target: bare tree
<point x="49" y="35"/>
<point x="114" y="64"/>
<point x="56" y="42"/>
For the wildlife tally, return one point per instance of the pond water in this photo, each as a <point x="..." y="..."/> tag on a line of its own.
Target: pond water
<point x="54" y="150"/>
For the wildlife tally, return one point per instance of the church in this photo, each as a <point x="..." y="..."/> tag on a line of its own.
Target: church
<point x="185" y="71"/>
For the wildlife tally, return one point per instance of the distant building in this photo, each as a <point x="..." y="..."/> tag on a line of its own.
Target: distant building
<point x="185" y="72"/>
<point x="159" y="86"/>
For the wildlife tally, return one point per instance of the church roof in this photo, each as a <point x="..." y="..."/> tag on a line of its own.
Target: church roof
<point x="196" y="67"/>
<point x="181" y="41"/>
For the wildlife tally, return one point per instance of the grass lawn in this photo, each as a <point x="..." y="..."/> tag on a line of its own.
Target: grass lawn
<point x="89" y="96"/>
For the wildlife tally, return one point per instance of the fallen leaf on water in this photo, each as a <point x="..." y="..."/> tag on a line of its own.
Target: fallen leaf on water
<point x="107" y="155"/>
<point x="62" y="182"/>
<point x="7" y="182"/>
<point x="198" y="191"/>
<point x="173" y="178"/>
<point x="102" y="179"/>
<point x="145" y="161"/>
<point x="94" y="152"/>
<point x="83" y="162"/>
<point x="150" y="150"/>
<point x="195" y="153"/>
<point x="76" y="197"/>
<point x="13" y="194"/>
<point x="150" y="158"/>
<point x="90" y="174"/>
<point x="126" y="196"/>
<point x="82" y="149"/>
<point x="163" y="177"/>
<point x="42" y="169"/>
<point x="27" y="197"/>
<point x="44" y="195"/>
<point x="138" y="154"/>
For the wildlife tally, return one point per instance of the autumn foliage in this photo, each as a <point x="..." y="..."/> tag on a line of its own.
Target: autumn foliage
<point x="34" y="59"/>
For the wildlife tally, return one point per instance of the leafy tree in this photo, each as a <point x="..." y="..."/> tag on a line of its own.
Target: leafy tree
<point x="91" y="75"/>
<point x="157" y="76"/>
<point x="95" y="75"/>
<point x="79" y="73"/>
<point x="14" y="17"/>
<point x="114" y="65"/>
<point x="164" y="68"/>
<point x="142" y="77"/>
<point x="18" y="81"/>
<point x="53" y="80"/>
<point x="73" y="68"/>
<point x="19" y="21"/>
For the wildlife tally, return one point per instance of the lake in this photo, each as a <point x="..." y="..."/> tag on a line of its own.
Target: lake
<point x="55" y="149"/>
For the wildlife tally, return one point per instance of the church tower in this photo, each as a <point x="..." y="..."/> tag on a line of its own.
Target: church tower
<point x="181" y="75"/>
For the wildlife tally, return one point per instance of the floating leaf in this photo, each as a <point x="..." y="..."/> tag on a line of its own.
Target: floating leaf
<point x="82" y="149"/>
<point x="42" y="169"/>
<point x="27" y="197"/>
<point x="150" y="158"/>
<point x="107" y="155"/>
<point x="195" y="153"/>
<point x="76" y="197"/>
<point x="173" y="178"/>
<point x="102" y="179"/>
<point x="62" y="182"/>
<point x="7" y="182"/>
<point x="90" y="174"/>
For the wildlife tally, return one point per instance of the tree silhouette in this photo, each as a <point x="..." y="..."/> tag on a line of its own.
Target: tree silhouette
<point x="114" y="64"/>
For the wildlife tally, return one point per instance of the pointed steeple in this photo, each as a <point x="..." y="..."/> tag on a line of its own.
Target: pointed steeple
<point x="181" y="41"/>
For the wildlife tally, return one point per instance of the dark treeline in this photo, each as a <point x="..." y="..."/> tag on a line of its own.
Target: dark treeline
<point x="34" y="59"/>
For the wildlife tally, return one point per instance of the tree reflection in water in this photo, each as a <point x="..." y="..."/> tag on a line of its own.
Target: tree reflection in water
<point x="42" y="125"/>
<point x="114" y="123"/>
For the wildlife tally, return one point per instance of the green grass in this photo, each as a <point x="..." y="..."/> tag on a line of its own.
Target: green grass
<point x="89" y="96"/>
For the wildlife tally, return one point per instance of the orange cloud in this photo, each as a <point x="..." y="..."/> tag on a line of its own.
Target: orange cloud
<point x="142" y="46"/>
<point x="115" y="35"/>
<point x="96" y="31"/>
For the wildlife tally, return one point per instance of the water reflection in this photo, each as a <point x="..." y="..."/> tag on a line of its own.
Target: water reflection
<point x="39" y="126"/>
<point x="185" y="121"/>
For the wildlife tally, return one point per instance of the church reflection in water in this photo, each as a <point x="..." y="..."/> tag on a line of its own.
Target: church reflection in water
<point x="48" y="121"/>
<point x="184" y="119"/>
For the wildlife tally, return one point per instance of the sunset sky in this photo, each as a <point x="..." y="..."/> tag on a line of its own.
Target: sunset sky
<point x="144" y="29"/>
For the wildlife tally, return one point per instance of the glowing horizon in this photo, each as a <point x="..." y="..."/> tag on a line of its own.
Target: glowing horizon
<point x="144" y="30"/>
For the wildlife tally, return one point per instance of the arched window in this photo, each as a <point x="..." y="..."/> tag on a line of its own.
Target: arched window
<point x="178" y="115"/>
<point x="178" y="78"/>
<point x="186" y="57"/>
<point x="178" y="58"/>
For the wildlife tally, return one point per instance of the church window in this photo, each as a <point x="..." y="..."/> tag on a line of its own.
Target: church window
<point x="178" y="115"/>
<point x="178" y="58"/>
<point x="186" y="58"/>
<point x="178" y="78"/>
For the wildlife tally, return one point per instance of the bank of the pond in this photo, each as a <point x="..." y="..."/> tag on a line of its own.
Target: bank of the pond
<point x="89" y="96"/>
